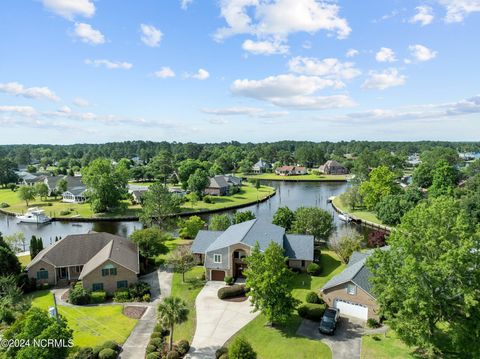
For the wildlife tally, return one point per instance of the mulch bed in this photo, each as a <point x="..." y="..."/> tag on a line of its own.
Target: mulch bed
<point x="236" y="299"/>
<point x="134" y="312"/>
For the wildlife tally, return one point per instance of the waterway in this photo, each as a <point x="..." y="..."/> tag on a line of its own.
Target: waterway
<point x="290" y="194"/>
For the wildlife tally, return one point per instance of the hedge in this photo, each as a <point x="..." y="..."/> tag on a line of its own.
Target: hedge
<point x="314" y="269"/>
<point x="312" y="297"/>
<point x="311" y="311"/>
<point x="107" y="353"/>
<point x="236" y="290"/>
<point x="98" y="297"/>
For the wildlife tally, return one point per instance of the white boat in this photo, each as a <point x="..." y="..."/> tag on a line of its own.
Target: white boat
<point x="34" y="215"/>
<point x="330" y="199"/>
<point x="344" y="217"/>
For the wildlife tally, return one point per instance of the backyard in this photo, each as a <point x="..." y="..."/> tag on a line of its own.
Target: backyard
<point x="91" y="325"/>
<point x="360" y="214"/>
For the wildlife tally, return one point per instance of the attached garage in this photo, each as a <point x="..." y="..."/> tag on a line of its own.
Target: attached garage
<point x="351" y="309"/>
<point x="218" y="275"/>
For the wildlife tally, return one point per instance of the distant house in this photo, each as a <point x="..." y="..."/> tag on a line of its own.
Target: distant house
<point x="291" y="170"/>
<point x="177" y="191"/>
<point x="332" y="167"/>
<point x="137" y="192"/>
<point x="261" y="167"/>
<point x="223" y="252"/>
<point x="351" y="290"/>
<point x="219" y="185"/>
<point x="75" y="192"/>
<point x="52" y="182"/>
<point x="102" y="261"/>
<point x="414" y="160"/>
<point x="28" y="179"/>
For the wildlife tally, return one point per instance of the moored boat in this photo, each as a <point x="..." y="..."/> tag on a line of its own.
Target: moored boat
<point x="34" y="215"/>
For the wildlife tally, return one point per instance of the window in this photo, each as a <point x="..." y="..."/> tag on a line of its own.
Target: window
<point x="122" y="284"/>
<point x="303" y="263"/>
<point x="217" y="258"/>
<point x="42" y="274"/>
<point x="351" y="289"/>
<point x="97" y="287"/>
<point x="109" y="269"/>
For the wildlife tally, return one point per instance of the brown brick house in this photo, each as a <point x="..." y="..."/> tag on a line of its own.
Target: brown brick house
<point x="291" y="170"/>
<point x="102" y="261"/>
<point x="333" y="167"/>
<point x="351" y="290"/>
<point x="219" y="185"/>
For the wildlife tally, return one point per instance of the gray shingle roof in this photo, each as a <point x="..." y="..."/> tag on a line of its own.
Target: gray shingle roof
<point x="298" y="246"/>
<point x="346" y="275"/>
<point x="218" y="182"/>
<point x="203" y="240"/>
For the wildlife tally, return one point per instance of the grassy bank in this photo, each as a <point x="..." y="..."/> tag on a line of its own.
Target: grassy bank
<point x="308" y="177"/>
<point x="282" y="342"/>
<point x="360" y="214"/>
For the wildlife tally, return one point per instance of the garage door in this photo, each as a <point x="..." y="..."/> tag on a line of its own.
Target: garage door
<point x="351" y="309"/>
<point x="218" y="275"/>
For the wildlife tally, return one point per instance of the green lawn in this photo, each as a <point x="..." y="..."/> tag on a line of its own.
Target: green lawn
<point x="171" y="245"/>
<point x="387" y="346"/>
<point x="91" y="325"/>
<point x="307" y="177"/>
<point x="361" y="214"/>
<point x="188" y="291"/>
<point x="282" y="342"/>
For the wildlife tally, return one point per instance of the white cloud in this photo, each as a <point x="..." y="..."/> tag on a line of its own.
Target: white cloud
<point x="70" y="8"/>
<point x="184" y="4"/>
<point x="151" y="36"/>
<point x="329" y="67"/>
<point x="422" y="53"/>
<point x="278" y="19"/>
<point x="424" y="15"/>
<point x="385" y="54"/>
<point x="385" y="79"/>
<point x="65" y="109"/>
<point x="22" y="110"/>
<point x="292" y="91"/>
<point x="17" y="89"/>
<point x="457" y="10"/>
<point x="200" y="75"/>
<point x="264" y="47"/>
<point x="109" y="64"/>
<point x="81" y="102"/>
<point x="247" y="111"/>
<point x="352" y="53"/>
<point x="164" y="73"/>
<point x="88" y="34"/>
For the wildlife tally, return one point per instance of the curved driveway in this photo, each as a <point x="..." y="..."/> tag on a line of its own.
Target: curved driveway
<point x="217" y="321"/>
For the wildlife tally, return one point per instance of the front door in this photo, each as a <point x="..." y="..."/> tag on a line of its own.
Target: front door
<point x="62" y="273"/>
<point x="239" y="268"/>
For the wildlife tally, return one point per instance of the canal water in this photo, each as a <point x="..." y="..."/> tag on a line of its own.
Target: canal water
<point x="290" y="194"/>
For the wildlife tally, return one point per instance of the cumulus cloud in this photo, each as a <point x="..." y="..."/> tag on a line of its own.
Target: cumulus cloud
<point x="422" y="53"/>
<point x="17" y="89"/>
<point x="292" y="91"/>
<point x="264" y="47"/>
<point x="164" y="72"/>
<point x="329" y="67"/>
<point x="424" y="15"/>
<point x="81" y="102"/>
<point x="384" y="79"/>
<point x="385" y="54"/>
<point x="279" y="19"/>
<point x="109" y="64"/>
<point x="70" y="8"/>
<point x="151" y="36"/>
<point x="184" y="4"/>
<point x="201" y="74"/>
<point x="352" y="53"/>
<point x="245" y="111"/>
<point x="87" y="34"/>
<point x="22" y="110"/>
<point x="457" y="10"/>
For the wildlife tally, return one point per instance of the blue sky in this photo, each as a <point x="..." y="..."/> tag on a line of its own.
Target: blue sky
<point x="247" y="70"/>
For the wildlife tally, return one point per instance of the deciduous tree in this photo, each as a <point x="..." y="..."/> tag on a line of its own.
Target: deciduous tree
<point x="159" y="206"/>
<point x="314" y="221"/>
<point x="26" y="193"/>
<point x="284" y="217"/>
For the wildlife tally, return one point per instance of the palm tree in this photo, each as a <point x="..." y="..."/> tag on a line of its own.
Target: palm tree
<point x="172" y="310"/>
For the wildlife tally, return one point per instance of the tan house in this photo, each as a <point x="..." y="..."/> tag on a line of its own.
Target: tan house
<point x="220" y="185"/>
<point x="102" y="261"/>
<point x="291" y="170"/>
<point x="223" y="252"/>
<point x="332" y="167"/>
<point x="351" y="290"/>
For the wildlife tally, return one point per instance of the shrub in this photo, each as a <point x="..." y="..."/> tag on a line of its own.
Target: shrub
<point x="373" y="323"/>
<point x="4" y="205"/>
<point x="151" y="349"/>
<point x="156" y="335"/>
<point x="65" y="212"/>
<point x="153" y="356"/>
<point x="158" y="328"/>
<point x="26" y="284"/>
<point x="121" y="295"/>
<point x="97" y="350"/>
<point x="173" y="355"/>
<point x="236" y="290"/>
<point x="229" y="280"/>
<point x="110" y="344"/>
<point x="241" y="349"/>
<point x="314" y="269"/>
<point x="183" y="346"/>
<point x="146" y="298"/>
<point x="98" y="297"/>
<point x="84" y="353"/>
<point x="208" y="199"/>
<point x="220" y="352"/>
<point x="107" y="353"/>
<point x="6" y="315"/>
<point x="312" y="297"/>
<point x="78" y="295"/>
<point x="224" y="356"/>
<point x="138" y="290"/>
<point x="157" y="343"/>
<point x="311" y="311"/>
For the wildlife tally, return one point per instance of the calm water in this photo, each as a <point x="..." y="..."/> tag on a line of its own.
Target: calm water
<point x="291" y="194"/>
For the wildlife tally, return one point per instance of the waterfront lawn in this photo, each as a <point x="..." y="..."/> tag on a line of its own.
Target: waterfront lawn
<point x="188" y="291"/>
<point x="385" y="346"/>
<point x="282" y="341"/>
<point x="171" y="245"/>
<point x="91" y="325"/>
<point x="361" y="214"/>
<point x="307" y="177"/>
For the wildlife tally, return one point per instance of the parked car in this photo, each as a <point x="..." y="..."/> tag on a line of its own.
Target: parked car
<point x="328" y="324"/>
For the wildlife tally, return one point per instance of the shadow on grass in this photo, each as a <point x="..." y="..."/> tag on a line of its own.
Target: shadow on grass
<point x="329" y="264"/>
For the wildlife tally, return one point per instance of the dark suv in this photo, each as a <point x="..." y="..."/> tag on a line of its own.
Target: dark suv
<point x="328" y="324"/>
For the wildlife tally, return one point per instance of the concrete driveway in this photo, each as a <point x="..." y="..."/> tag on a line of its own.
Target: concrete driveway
<point x="217" y="321"/>
<point x="346" y="343"/>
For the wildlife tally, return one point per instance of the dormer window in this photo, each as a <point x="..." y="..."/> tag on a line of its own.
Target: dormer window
<point x="109" y="269"/>
<point x="217" y="258"/>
